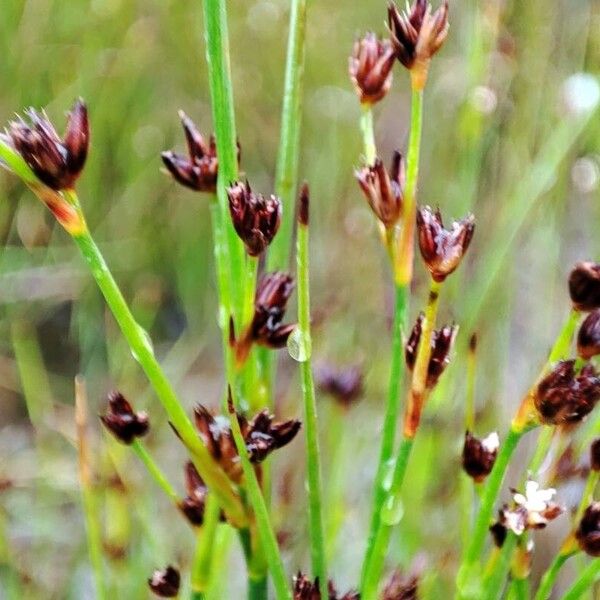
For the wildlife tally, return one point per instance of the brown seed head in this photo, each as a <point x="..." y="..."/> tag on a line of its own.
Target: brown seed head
<point x="442" y="341"/>
<point x="383" y="191"/>
<point x="165" y="583"/>
<point x="345" y="384"/>
<point x="121" y="421"/>
<point x="588" y="338"/>
<point x="584" y="285"/>
<point x="595" y="455"/>
<point x="417" y="34"/>
<point x="498" y="532"/>
<point x="400" y="587"/>
<point x="565" y="397"/>
<point x="442" y="249"/>
<point x="192" y="506"/>
<point x="479" y="455"/>
<point x="370" y="68"/>
<point x="305" y="589"/>
<point x="56" y="162"/>
<point x="198" y="171"/>
<point x="304" y="205"/>
<point x="255" y="218"/>
<point x="588" y="531"/>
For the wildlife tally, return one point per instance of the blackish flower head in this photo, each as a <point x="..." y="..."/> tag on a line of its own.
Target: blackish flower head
<point x="199" y="169"/>
<point x="255" y="218"/>
<point x="584" y="285"/>
<point x="383" y="191"/>
<point x="479" y="455"/>
<point x="400" y="587"/>
<point x="564" y="396"/>
<point x="305" y="589"/>
<point x="595" y="455"/>
<point x="442" y="249"/>
<point x="442" y="341"/>
<point x="56" y="162"/>
<point x="588" y="338"/>
<point x="498" y="532"/>
<point x="588" y="531"/>
<point x="192" y="506"/>
<point x="417" y="34"/>
<point x="165" y="583"/>
<point x="345" y="385"/>
<point x="262" y="436"/>
<point x="121" y="421"/>
<point x="370" y="68"/>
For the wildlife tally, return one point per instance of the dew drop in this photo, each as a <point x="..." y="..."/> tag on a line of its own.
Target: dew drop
<point x="299" y="345"/>
<point x="392" y="511"/>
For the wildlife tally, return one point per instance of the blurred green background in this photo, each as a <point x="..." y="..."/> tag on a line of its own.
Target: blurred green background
<point x="509" y="134"/>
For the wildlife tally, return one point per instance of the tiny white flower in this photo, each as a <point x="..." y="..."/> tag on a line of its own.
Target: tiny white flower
<point x="491" y="443"/>
<point x="535" y="500"/>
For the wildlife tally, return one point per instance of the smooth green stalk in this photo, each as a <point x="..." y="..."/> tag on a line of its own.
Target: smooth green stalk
<point x="202" y="565"/>
<point x="368" y="133"/>
<point x="390" y="515"/>
<point x="261" y="513"/>
<point x="468" y="575"/>
<point x="549" y="578"/>
<point x="392" y="412"/>
<point x="520" y="589"/>
<point x="586" y="579"/>
<point x="495" y="581"/>
<point x="286" y="177"/>
<point x="221" y="92"/>
<point x="154" y="470"/>
<point x="313" y="455"/>
<point x="141" y="348"/>
<point x="91" y="510"/>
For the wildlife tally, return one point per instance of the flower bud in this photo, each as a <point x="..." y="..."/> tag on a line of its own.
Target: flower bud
<point x="165" y="583"/>
<point x="588" y="531"/>
<point x="56" y="162"/>
<point x="384" y="192"/>
<point x="584" y="285"/>
<point x="479" y="455"/>
<point x="192" y="506"/>
<point x="442" y="341"/>
<point x="442" y="249"/>
<point x="417" y="34"/>
<point x="595" y="455"/>
<point x="122" y="422"/>
<point x="255" y="218"/>
<point x="345" y="385"/>
<point x="370" y="68"/>
<point x="588" y="338"/>
<point x="198" y="171"/>
<point x="564" y="397"/>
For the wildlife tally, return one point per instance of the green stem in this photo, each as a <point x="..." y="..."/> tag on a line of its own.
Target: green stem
<point x="392" y="411"/>
<point x="549" y="578"/>
<point x="561" y="347"/>
<point x="141" y="348"/>
<point x="586" y="579"/>
<point x="201" y="568"/>
<point x="390" y="515"/>
<point x="468" y="574"/>
<point x="366" y="126"/>
<point x="154" y="470"/>
<point x="286" y="178"/>
<point x="257" y="589"/>
<point x="520" y="589"/>
<point x="219" y="77"/>
<point x="261" y="513"/>
<point x="495" y="581"/>
<point x="313" y="455"/>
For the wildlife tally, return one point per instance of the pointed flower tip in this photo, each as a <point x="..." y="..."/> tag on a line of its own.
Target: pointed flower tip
<point x="165" y="583"/>
<point x="122" y="421"/>
<point x="304" y="205"/>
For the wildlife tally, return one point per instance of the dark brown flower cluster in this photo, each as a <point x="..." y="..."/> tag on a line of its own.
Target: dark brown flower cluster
<point x="479" y="456"/>
<point x="588" y="530"/>
<point x="56" y="162"/>
<point x="442" y="341"/>
<point x="370" y="67"/>
<point x="417" y="34"/>
<point x="565" y="396"/>
<point x="401" y="587"/>
<point x="262" y="436"/>
<point x="442" y="249"/>
<point x="588" y="338"/>
<point x="198" y="171"/>
<point x="193" y="505"/>
<point x="305" y="589"/>
<point x="165" y="583"/>
<point x="595" y="455"/>
<point x="383" y="190"/>
<point x="255" y="218"/>
<point x="270" y="302"/>
<point x="584" y="285"/>
<point x="122" y="422"/>
<point x="345" y="385"/>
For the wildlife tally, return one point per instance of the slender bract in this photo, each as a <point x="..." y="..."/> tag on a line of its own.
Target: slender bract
<point x="154" y="470"/>
<point x="586" y="579"/>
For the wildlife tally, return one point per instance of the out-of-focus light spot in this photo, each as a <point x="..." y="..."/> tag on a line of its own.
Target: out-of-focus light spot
<point x="581" y="93"/>
<point x="484" y="99"/>
<point x="335" y="103"/>
<point x="585" y="174"/>
<point x="147" y="140"/>
<point x="263" y="16"/>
